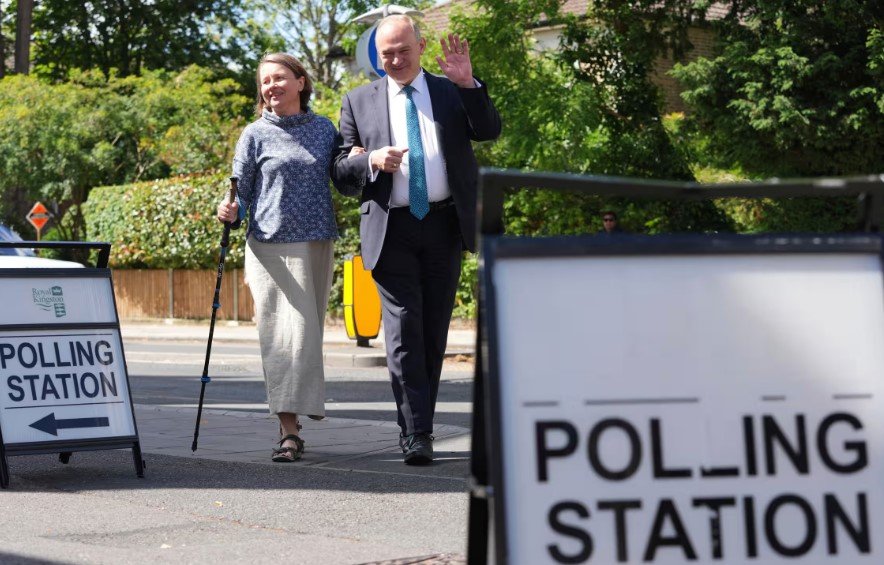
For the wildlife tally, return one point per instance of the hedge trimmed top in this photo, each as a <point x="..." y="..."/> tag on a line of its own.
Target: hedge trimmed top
<point x="163" y="224"/>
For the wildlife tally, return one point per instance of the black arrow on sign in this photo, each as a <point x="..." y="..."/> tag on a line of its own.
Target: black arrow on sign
<point x="50" y="425"/>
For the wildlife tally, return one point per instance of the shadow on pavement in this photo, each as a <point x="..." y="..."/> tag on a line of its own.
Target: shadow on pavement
<point x="15" y="559"/>
<point x="113" y="470"/>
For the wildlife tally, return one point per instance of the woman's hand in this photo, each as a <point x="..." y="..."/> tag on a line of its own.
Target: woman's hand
<point x="356" y="150"/>
<point x="228" y="212"/>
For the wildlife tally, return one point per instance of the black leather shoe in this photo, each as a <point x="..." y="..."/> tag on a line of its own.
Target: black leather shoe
<point x="419" y="449"/>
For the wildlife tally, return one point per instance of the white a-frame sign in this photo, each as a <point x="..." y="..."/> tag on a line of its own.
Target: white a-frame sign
<point x="64" y="386"/>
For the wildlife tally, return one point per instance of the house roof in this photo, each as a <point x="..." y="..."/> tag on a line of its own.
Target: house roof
<point x="437" y="18"/>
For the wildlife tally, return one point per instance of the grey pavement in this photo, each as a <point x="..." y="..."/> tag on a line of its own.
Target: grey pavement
<point x="339" y="350"/>
<point x="341" y="444"/>
<point x="349" y="500"/>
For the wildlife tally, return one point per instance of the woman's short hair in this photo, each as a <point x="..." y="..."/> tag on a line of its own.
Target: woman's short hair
<point x="293" y="65"/>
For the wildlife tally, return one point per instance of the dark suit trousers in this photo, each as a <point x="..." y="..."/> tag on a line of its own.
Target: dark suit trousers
<point x="417" y="275"/>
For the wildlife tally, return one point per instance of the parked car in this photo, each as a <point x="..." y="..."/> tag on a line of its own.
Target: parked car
<point x="25" y="258"/>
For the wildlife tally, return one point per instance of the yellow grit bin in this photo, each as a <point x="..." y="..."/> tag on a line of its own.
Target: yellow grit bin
<point x="362" y="303"/>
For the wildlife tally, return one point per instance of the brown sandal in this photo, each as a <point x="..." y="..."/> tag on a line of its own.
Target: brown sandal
<point x="288" y="454"/>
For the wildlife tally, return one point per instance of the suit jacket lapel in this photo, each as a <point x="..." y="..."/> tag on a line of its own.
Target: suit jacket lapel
<point x="382" y="112"/>
<point x="437" y="99"/>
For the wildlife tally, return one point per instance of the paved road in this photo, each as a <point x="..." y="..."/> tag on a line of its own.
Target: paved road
<point x="167" y="373"/>
<point x="349" y="501"/>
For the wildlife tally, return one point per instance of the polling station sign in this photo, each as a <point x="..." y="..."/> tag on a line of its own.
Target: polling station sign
<point x="686" y="399"/>
<point x="66" y="385"/>
<point x="63" y="380"/>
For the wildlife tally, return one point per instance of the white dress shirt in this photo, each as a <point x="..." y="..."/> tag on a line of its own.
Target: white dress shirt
<point x="434" y="162"/>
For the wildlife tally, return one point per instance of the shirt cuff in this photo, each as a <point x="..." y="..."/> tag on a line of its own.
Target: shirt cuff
<point x="372" y="174"/>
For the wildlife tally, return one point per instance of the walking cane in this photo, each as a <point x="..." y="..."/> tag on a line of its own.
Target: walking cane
<point x="225" y="241"/>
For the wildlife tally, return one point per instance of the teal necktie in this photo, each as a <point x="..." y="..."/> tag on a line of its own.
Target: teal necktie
<point x="418" y="201"/>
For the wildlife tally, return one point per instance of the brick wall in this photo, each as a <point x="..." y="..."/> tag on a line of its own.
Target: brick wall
<point x="702" y="39"/>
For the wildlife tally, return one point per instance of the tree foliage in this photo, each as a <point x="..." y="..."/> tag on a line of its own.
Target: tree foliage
<point x="4" y="41"/>
<point x="161" y="224"/>
<point x="795" y="89"/>
<point x="15" y="46"/>
<point x="614" y="50"/>
<point x="559" y="116"/>
<point x="171" y="224"/>
<point x="126" y="37"/>
<point x="57" y="141"/>
<point x="319" y="32"/>
<point x="7" y="34"/>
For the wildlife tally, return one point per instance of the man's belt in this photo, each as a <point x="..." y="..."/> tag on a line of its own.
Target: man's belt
<point x="441" y="204"/>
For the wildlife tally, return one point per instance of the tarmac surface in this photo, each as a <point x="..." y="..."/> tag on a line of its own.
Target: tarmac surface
<point x="349" y="500"/>
<point x="339" y="350"/>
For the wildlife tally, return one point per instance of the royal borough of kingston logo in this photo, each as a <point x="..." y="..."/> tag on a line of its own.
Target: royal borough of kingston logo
<point x="50" y="299"/>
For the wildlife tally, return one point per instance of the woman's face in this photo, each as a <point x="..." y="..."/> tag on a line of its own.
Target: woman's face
<point x="280" y="89"/>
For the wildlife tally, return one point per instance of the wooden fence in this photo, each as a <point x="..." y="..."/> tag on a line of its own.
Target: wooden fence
<point x="177" y="293"/>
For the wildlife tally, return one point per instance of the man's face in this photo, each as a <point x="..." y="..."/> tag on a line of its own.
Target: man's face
<point x="400" y="51"/>
<point x="610" y="222"/>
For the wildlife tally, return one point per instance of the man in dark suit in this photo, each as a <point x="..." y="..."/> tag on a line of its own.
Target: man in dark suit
<point x="418" y="179"/>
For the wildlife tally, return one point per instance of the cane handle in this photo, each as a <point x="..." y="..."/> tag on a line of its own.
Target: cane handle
<point x="231" y="197"/>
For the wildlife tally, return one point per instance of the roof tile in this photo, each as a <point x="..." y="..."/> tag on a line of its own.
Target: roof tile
<point x="437" y="18"/>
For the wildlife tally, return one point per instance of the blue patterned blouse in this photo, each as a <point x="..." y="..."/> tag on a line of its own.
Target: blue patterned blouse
<point x="282" y="168"/>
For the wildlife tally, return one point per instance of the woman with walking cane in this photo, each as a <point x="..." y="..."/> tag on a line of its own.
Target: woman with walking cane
<point x="282" y="164"/>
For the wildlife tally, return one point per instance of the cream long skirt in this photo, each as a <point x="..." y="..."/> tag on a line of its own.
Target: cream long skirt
<point x="290" y="283"/>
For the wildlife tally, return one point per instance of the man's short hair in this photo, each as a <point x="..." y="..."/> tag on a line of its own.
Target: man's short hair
<point x="609" y="213"/>
<point x="399" y="18"/>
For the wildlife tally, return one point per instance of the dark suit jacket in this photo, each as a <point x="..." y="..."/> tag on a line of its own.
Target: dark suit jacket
<point x="460" y="114"/>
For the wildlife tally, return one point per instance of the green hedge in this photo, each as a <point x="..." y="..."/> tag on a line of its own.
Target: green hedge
<point x="59" y="140"/>
<point x="170" y="224"/>
<point x="163" y="224"/>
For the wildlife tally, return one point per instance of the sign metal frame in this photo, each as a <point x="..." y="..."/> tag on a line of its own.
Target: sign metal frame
<point x="66" y="447"/>
<point x="487" y="506"/>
